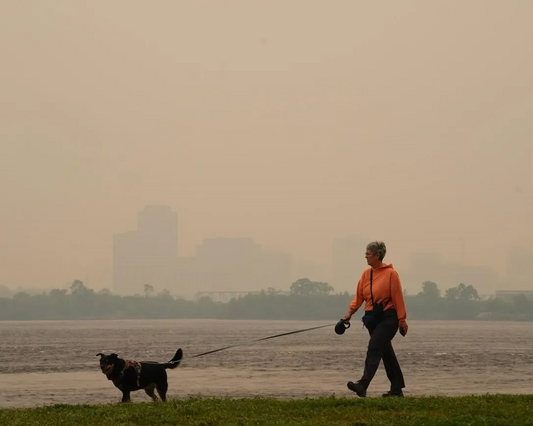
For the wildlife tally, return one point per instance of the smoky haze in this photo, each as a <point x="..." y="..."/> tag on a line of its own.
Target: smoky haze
<point x="292" y="123"/>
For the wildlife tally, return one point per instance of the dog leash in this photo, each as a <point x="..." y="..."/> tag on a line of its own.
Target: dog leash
<point x="261" y="339"/>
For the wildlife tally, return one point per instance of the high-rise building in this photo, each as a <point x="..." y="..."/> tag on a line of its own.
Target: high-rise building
<point x="148" y="255"/>
<point x="234" y="264"/>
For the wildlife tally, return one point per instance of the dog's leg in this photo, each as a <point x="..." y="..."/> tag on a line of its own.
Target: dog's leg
<point x="150" y="391"/>
<point x="126" y="396"/>
<point x="162" y="390"/>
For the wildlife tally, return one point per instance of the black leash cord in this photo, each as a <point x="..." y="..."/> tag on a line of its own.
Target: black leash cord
<point x="263" y="338"/>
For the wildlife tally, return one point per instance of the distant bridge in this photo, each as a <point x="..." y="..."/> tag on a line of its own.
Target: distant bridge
<point x="226" y="296"/>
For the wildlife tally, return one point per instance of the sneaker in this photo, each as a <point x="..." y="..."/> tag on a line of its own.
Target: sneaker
<point x="391" y="393"/>
<point x="358" y="388"/>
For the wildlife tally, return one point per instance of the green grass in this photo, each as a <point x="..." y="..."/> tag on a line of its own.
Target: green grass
<point x="488" y="410"/>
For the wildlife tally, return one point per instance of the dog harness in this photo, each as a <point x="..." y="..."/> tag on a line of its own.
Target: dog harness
<point x="127" y="364"/>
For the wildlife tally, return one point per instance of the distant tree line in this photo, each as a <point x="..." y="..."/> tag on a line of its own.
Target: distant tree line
<point x="306" y="300"/>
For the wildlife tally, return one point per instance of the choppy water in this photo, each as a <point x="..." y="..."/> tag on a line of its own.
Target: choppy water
<point x="45" y="362"/>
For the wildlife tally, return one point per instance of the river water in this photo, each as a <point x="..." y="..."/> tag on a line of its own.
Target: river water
<point x="49" y="362"/>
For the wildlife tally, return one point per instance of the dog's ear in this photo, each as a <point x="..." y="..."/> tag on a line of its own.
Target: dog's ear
<point x="100" y="354"/>
<point x="113" y="356"/>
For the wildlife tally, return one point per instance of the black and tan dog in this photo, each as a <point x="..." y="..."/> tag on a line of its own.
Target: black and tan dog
<point x="130" y="376"/>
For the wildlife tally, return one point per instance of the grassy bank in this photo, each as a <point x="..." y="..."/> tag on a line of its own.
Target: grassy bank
<point x="490" y="410"/>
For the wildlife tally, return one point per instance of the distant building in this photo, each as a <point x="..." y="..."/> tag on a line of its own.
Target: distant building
<point x="348" y="262"/>
<point x="509" y="295"/>
<point x="519" y="268"/>
<point x="233" y="264"/>
<point x="148" y="255"/>
<point x="484" y="279"/>
<point x="274" y="270"/>
<point x="426" y="267"/>
<point x="302" y="268"/>
<point x="429" y="267"/>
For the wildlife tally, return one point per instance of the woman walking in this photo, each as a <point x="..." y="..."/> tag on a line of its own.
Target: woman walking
<point x="385" y="314"/>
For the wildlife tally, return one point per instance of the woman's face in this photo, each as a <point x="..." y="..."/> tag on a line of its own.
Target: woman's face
<point x="370" y="257"/>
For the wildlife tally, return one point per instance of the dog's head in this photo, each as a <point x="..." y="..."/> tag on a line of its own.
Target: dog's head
<point x="108" y="362"/>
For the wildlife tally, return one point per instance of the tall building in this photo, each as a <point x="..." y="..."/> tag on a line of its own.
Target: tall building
<point x="273" y="270"/>
<point x="148" y="255"/>
<point x="233" y="264"/>
<point x="348" y="262"/>
<point x="226" y="263"/>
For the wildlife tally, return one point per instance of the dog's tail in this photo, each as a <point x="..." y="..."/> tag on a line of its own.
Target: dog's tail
<point x="174" y="362"/>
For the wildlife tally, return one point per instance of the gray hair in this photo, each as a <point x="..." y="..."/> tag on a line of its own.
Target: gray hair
<point x="377" y="247"/>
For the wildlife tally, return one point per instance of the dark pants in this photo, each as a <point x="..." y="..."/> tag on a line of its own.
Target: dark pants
<point x="380" y="347"/>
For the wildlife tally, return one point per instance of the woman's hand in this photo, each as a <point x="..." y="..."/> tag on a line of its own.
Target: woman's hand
<point x="347" y="317"/>
<point x="403" y="327"/>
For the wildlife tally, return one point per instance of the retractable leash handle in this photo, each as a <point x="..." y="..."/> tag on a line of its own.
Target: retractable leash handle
<point x="263" y="338"/>
<point x="341" y="327"/>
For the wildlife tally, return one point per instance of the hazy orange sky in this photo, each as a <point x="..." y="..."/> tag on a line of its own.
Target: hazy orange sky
<point x="292" y="122"/>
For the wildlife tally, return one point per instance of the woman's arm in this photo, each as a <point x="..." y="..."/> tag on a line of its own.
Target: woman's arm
<point x="398" y="301"/>
<point x="357" y="301"/>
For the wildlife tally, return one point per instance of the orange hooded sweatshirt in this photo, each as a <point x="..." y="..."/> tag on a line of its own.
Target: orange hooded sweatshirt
<point x="386" y="288"/>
